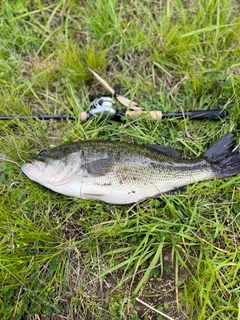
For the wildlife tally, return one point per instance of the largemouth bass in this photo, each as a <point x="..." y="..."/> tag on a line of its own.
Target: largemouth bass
<point x="120" y="173"/>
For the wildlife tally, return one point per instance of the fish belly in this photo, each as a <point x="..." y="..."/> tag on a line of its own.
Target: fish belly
<point x="130" y="189"/>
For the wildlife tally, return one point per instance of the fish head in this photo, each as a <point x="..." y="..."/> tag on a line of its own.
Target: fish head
<point x="55" y="167"/>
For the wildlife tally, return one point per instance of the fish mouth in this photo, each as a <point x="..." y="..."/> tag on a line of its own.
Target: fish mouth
<point x="40" y="172"/>
<point x="32" y="164"/>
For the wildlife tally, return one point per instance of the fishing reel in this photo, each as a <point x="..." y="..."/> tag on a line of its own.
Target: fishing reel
<point x="103" y="106"/>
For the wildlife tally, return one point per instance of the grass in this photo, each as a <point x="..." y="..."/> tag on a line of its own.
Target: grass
<point x="175" y="256"/>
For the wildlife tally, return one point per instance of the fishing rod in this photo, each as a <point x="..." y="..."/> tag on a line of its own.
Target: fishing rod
<point x="104" y="107"/>
<point x="41" y="117"/>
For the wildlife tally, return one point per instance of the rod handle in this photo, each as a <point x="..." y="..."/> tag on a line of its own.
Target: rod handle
<point x="152" y="115"/>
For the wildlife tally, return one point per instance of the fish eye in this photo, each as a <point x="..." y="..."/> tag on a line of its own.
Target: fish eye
<point x="42" y="153"/>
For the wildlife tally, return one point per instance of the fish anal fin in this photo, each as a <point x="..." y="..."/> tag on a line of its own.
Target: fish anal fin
<point x="179" y="190"/>
<point x="173" y="192"/>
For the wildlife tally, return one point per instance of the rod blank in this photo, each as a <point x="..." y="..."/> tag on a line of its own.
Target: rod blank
<point x="215" y="114"/>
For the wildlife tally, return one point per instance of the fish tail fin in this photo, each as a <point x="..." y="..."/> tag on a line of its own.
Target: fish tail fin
<point x="224" y="156"/>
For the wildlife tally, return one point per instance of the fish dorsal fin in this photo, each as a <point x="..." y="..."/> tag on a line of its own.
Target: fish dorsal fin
<point x="98" y="168"/>
<point x="168" y="151"/>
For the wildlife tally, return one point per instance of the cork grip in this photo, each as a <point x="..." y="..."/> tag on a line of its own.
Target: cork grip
<point x="153" y="115"/>
<point x="83" y="116"/>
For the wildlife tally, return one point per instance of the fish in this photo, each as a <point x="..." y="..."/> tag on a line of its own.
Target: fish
<point x="123" y="173"/>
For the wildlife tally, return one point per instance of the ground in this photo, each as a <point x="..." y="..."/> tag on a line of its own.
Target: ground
<point x="172" y="257"/>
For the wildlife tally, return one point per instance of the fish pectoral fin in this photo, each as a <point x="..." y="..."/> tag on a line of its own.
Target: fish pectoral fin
<point x="98" y="168"/>
<point x="168" y="151"/>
